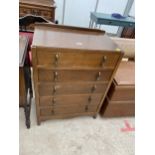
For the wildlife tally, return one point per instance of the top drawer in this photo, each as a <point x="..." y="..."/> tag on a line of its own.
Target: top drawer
<point x="75" y="59"/>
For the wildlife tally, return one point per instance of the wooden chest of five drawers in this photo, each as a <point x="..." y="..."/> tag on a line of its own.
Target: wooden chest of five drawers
<point x="73" y="69"/>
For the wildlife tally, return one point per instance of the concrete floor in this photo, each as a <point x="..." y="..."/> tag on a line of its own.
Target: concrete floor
<point x="76" y="136"/>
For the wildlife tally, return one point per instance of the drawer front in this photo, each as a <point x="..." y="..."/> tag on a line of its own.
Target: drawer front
<point x="45" y="75"/>
<point x="67" y="100"/>
<point x="121" y="93"/>
<point x="117" y="108"/>
<point x="52" y="111"/>
<point x="76" y="59"/>
<point x="48" y="89"/>
<point x="120" y="110"/>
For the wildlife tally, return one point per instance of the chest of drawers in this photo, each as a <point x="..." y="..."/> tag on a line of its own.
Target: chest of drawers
<point x="73" y="69"/>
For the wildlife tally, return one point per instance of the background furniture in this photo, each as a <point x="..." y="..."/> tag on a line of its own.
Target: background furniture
<point x="26" y="21"/>
<point x="107" y="19"/>
<point x="128" y="32"/>
<point x="120" y="100"/>
<point x="73" y="69"/>
<point x="43" y="8"/>
<point x="25" y="86"/>
<point x="127" y="45"/>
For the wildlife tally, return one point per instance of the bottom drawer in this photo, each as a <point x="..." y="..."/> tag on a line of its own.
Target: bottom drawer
<point x="121" y="93"/>
<point x="65" y="116"/>
<point x="118" y="109"/>
<point x="52" y="111"/>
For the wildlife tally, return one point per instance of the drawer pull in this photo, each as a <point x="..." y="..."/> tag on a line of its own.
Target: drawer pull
<point x="86" y="108"/>
<point x="52" y="111"/>
<point x="103" y="60"/>
<point x="53" y="101"/>
<point x="56" y="59"/>
<point x="93" y="88"/>
<point x="98" y="76"/>
<point x="33" y="12"/>
<point x="55" y="76"/>
<point x="89" y="99"/>
<point x="54" y="89"/>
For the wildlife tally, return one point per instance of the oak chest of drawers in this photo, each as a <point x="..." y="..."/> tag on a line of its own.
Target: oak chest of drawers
<point x="73" y="69"/>
<point x="44" y="8"/>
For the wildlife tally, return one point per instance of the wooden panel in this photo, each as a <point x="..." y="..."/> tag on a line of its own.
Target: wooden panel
<point x="46" y="89"/>
<point x="118" y="109"/>
<point x="70" y="59"/>
<point x="125" y="75"/>
<point x="67" y="100"/>
<point x="45" y="75"/>
<point x="67" y="37"/>
<point x="121" y="93"/>
<point x="22" y="89"/>
<point x="38" y="2"/>
<point x="65" y="116"/>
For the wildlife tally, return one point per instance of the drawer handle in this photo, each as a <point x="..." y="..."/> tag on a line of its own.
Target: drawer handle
<point x="55" y="76"/>
<point x="56" y="59"/>
<point x="33" y="12"/>
<point x="89" y="99"/>
<point x="86" y="108"/>
<point x="54" y="89"/>
<point x="53" y="101"/>
<point x="93" y="88"/>
<point x="98" y="76"/>
<point x="52" y="111"/>
<point x="103" y="60"/>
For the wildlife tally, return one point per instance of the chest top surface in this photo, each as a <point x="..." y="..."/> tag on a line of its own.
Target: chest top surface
<point x="23" y="43"/>
<point x="67" y="37"/>
<point x="125" y="74"/>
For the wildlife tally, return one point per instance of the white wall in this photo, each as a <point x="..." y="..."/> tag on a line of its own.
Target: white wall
<point x="109" y="7"/>
<point x="132" y="11"/>
<point x="77" y="12"/>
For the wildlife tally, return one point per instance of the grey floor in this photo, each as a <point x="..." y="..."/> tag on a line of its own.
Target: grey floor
<point x="76" y="136"/>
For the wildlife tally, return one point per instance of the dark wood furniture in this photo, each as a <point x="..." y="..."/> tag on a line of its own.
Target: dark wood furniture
<point x="43" y="8"/>
<point x="72" y="69"/>
<point x="128" y="32"/>
<point x="25" y="85"/>
<point x="120" y="100"/>
<point x="29" y="20"/>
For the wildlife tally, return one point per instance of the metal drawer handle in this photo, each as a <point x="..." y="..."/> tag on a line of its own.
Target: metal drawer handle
<point x="52" y="111"/>
<point x="55" y="76"/>
<point x="86" y="108"/>
<point x="56" y="59"/>
<point x="98" y="76"/>
<point x="89" y="99"/>
<point x="93" y="88"/>
<point x="54" y="89"/>
<point x="53" y="101"/>
<point x="103" y="60"/>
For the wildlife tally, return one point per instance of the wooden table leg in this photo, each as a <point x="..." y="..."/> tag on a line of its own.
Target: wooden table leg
<point x="29" y="94"/>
